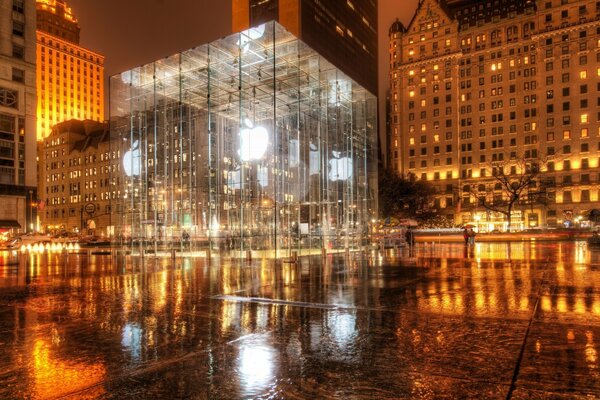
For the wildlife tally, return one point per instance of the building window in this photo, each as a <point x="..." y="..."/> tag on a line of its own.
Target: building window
<point x="18" y="75"/>
<point x="8" y="98"/>
<point x="19" y="6"/>
<point x="18" y="29"/>
<point x="18" y="51"/>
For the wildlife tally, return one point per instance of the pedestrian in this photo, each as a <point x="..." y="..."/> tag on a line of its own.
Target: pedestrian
<point x="466" y="235"/>
<point x="472" y="236"/>
<point x="410" y="237"/>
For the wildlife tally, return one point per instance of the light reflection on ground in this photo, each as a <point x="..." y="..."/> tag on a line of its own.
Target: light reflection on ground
<point x="440" y="320"/>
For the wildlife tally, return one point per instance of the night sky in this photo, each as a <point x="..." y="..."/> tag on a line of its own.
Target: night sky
<point x="135" y="32"/>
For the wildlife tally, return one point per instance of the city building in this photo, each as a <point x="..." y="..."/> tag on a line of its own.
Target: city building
<point x="345" y="33"/>
<point x="70" y="78"/>
<point x="76" y="162"/>
<point x="254" y="142"/>
<point x="482" y="90"/>
<point x="18" y="191"/>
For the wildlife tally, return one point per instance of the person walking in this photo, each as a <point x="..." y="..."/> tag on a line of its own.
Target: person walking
<point x="466" y="235"/>
<point x="472" y="236"/>
<point x="410" y="237"/>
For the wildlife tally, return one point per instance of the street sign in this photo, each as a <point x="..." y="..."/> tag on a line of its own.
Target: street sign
<point x="90" y="208"/>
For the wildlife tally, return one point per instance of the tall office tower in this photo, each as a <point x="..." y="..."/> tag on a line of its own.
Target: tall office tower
<point x="17" y="115"/>
<point x="70" y="78"/>
<point x="479" y="84"/>
<point x="345" y="33"/>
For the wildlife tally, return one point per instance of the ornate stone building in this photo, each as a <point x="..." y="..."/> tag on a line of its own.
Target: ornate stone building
<point x="498" y="89"/>
<point x="75" y="167"/>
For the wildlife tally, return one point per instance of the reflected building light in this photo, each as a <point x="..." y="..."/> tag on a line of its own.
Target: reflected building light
<point x="256" y="367"/>
<point x="343" y="327"/>
<point x="546" y="303"/>
<point x="131" y="339"/>
<point x="55" y="378"/>
<point x="591" y="354"/>
<point x="314" y="159"/>
<point x="294" y="153"/>
<point x="262" y="176"/>
<point x="561" y="304"/>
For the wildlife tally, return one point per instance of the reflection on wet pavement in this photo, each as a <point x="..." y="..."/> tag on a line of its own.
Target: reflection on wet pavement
<point x="517" y="320"/>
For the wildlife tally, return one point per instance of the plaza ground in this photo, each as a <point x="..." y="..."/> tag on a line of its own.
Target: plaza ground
<point x="495" y="321"/>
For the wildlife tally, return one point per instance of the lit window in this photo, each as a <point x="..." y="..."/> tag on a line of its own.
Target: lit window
<point x="423" y="103"/>
<point x="411" y="93"/>
<point x="584" y="118"/>
<point x="436" y="138"/>
<point x="423" y="127"/>
<point x="411" y="140"/>
<point x="584" y="132"/>
<point x="436" y="67"/>
<point x="567" y="134"/>
<point x="411" y="52"/>
<point x="411" y="72"/>
<point x="583" y="74"/>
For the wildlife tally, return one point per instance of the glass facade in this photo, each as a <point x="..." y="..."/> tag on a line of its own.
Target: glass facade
<point x="253" y="142"/>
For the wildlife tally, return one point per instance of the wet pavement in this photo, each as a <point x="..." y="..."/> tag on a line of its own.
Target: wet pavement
<point x="497" y="321"/>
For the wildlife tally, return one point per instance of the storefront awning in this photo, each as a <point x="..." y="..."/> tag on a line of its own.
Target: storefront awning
<point x="9" y="223"/>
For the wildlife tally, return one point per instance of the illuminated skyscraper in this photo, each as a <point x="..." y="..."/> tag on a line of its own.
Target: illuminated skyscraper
<point x="344" y="32"/>
<point x="17" y="115"/>
<point x="70" y="78"/>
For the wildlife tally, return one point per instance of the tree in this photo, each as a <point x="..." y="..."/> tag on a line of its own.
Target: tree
<point x="514" y="182"/>
<point x="405" y="197"/>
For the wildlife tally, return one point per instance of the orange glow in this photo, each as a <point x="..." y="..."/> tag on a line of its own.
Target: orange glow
<point x="54" y="378"/>
<point x="67" y="90"/>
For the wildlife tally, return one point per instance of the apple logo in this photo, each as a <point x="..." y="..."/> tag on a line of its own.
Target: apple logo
<point x="234" y="178"/>
<point x="132" y="162"/>
<point x="340" y="168"/>
<point x="253" y="142"/>
<point x="249" y="35"/>
<point x="131" y="78"/>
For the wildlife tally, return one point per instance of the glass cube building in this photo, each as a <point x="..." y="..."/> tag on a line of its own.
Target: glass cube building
<point x="251" y="143"/>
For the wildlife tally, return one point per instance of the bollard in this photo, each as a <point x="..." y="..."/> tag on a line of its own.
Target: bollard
<point x="294" y="256"/>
